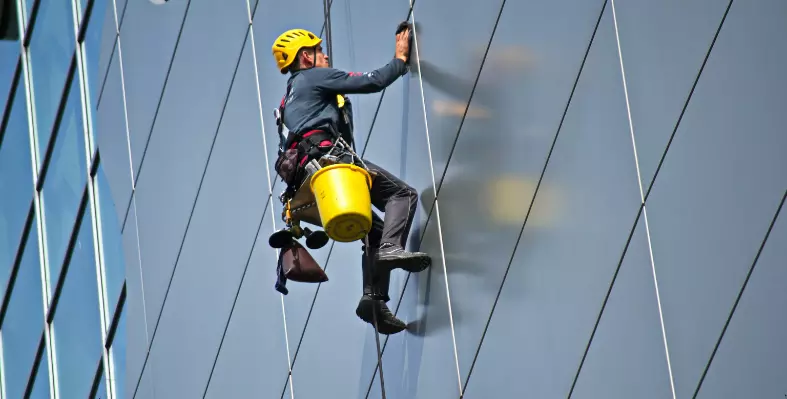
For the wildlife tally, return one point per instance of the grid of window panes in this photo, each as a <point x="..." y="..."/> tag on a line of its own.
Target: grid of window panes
<point x="62" y="288"/>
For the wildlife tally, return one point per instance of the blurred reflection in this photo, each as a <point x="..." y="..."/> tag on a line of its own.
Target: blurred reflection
<point x="495" y="130"/>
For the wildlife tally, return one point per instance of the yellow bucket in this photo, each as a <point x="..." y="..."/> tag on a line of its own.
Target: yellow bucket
<point x="342" y="195"/>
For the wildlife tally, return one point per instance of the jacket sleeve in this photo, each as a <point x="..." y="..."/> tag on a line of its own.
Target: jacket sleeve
<point x="337" y="81"/>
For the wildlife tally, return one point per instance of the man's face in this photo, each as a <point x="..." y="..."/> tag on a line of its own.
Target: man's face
<point x="321" y="59"/>
<point x="316" y="57"/>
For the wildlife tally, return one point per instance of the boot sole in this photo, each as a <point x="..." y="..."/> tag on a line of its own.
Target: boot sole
<point x="411" y="264"/>
<point x="365" y="311"/>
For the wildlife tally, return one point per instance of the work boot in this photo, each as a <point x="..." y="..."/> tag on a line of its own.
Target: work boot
<point x="387" y="323"/>
<point x="393" y="256"/>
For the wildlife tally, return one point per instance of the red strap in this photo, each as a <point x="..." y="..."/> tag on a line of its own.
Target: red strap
<point x="305" y="135"/>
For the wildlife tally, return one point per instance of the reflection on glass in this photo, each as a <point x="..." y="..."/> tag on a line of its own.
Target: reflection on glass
<point x="119" y="356"/>
<point x="51" y="49"/>
<point x="77" y="321"/>
<point x="16" y="184"/>
<point x="101" y="392"/>
<point x="92" y="49"/>
<point x="41" y="385"/>
<point x="9" y="55"/>
<point x="24" y="321"/>
<point x="114" y="262"/>
<point x="65" y="181"/>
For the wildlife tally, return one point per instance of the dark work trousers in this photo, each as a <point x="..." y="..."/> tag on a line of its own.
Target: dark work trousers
<point x="399" y="201"/>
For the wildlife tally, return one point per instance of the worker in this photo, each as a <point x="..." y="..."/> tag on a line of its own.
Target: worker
<point x="315" y="117"/>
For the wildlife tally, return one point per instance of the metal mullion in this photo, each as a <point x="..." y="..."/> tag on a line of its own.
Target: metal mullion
<point x="87" y="114"/>
<point x="41" y="234"/>
<point x="91" y="166"/>
<point x="110" y="347"/>
<point x="2" y="368"/>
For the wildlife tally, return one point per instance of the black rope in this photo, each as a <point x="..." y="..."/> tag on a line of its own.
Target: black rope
<point x="368" y="255"/>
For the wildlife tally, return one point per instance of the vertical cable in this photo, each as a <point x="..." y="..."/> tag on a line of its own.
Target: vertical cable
<point x="328" y="38"/>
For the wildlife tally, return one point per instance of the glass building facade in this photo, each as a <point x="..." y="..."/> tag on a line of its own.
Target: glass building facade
<point x="62" y="282"/>
<point x="601" y="188"/>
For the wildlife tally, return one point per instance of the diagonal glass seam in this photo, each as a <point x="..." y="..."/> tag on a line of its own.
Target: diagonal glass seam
<point x="163" y="90"/>
<point x="740" y="295"/>
<point x="235" y="301"/>
<point x="642" y="199"/>
<point x="191" y="213"/>
<point x="535" y="193"/>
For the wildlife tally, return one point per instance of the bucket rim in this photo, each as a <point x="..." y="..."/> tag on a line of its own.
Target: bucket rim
<point x="340" y="166"/>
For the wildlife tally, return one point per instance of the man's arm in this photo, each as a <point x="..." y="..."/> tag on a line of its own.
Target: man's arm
<point x="336" y="81"/>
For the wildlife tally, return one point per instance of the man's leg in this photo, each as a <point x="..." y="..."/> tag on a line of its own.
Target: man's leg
<point x="375" y="287"/>
<point x="399" y="201"/>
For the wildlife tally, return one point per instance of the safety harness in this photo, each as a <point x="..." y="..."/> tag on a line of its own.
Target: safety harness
<point x="296" y="148"/>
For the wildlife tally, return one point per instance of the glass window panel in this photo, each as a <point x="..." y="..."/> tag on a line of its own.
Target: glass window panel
<point x="77" y="323"/>
<point x="92" y="49"/>
<point x="9" y="56"/>
<point x="41" y="385"/>
<point x="16" y="183"/>
<point x="119" y="356"/>
<point x="101" y="392"/>
<point x="65" y="181"/>
<point x="24" y="321"/>
<point x="114" y="261"/>
<point x="51" y="49"/>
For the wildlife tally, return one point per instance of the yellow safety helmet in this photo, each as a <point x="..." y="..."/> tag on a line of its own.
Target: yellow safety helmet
<point x="287" y="45"/>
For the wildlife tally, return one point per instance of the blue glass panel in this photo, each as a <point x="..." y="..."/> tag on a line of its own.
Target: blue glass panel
<point x="9" y="57"/>
<point x="92" y="49"/>
<point x="41" y="386"/>
<point x="51" y="49"/>
<point x="165" y="192"/>
<point x="579" y="223"/>
<point x="719" y="186"/>
<point x="627" y="358"/>
<point x="77" y="323"/>
<point x="750" y="362"/>
<point x="24" y="321"/>
<point x="65" y="182"/>
<point x="149" y="33"/>
<point x="111" y="137"/>
<point x="16" y="184"/>
<point x="118" y="349"/>
<point x="112" y="242"/>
